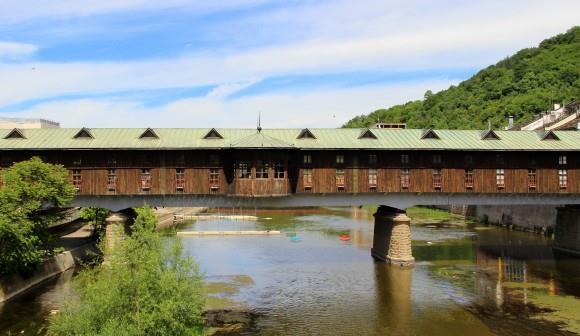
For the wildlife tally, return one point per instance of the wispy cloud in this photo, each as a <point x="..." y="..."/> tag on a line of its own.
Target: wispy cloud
<point x="16" y="51"/>
<point x="244" y="42"/>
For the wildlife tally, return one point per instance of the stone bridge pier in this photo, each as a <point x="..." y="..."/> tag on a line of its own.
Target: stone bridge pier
<point x="392" y="237"/>
<point x="567" y="232"/>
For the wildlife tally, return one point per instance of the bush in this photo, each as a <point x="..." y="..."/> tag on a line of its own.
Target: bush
<point x="28" y="188"/>
<point x="143" y="288"/>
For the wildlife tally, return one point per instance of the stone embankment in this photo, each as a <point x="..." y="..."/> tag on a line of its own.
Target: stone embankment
<point x="79" y="247"/>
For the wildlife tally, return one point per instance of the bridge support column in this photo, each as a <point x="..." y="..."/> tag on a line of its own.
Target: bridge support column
<point x="392" y="237"/>
<point x="567" y="233"/>
<point x="114" y="230"/>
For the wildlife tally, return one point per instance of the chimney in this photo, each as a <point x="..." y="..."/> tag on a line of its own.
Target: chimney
<point x="510" y="122"/>
<point x="578" y="126"/>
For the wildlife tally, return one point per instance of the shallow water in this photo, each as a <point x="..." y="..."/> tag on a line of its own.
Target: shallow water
<point x="307" y="281"/>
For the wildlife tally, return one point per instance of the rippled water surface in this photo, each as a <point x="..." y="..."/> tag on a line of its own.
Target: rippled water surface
<point x="469" y="279"/>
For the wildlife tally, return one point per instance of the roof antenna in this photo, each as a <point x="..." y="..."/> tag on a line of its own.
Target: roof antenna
<point x="259" y="123"/>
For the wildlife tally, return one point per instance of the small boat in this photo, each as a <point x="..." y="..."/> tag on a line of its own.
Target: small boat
<point x="295" y="239"/>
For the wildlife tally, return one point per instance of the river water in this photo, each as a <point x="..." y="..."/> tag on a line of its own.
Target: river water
<point x="317" y="278"/>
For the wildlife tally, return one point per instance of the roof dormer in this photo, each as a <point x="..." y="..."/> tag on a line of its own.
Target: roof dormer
<point x="15" y="134"/>
<point x="84" y="133"/>
<point x="149" y="134"/>
<point x="367" y="134"/>
<point x="430" y="134"/>
<point x="549" y="135"/>
<point x="213" y="134"/>
<point x="306" y="134"/>
<point x="489" y="135"/>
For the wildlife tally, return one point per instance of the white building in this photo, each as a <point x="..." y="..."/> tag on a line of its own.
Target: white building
<point x="27" y="123"/>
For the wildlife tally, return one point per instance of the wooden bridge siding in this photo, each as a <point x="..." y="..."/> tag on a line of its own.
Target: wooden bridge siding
<point x="196" y="164"/>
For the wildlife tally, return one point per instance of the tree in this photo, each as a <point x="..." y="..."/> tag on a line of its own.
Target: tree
<point x="96" y="217"/>
<point x="146" y="288"/>
<point x="523" y="84"/>
<point x="29" y="188"/>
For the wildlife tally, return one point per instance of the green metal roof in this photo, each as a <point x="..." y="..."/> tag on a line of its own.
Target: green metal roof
<point x="326" y="138"/>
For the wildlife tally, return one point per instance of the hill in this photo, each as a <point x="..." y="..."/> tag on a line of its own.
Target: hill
<point x="522" y="85"/>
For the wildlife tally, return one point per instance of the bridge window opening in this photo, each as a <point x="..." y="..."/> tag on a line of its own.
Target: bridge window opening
<point x="563" y="178"/>
<point x="405" y="179"/>
<point x="307" y="179"/>
<point x="262" y="168"/>
<point x="562" y="160"/>
<point x="307" y="159"/>
<point x="340" y="159"/>
<point x="373" y="179"/>
<point x="372" y="159"/>
<point x="469" y="179"/>
<point x="279" y="170"/>
<point x="145" y="179"/>
<point x="404" y="159"/>
<point x="112" y="162"/>
<point x="244" y="170"/>
<point x="500" y="178"/>
<point x="214" y="180"/>
<point x="437" y="159"/>
<point x="499" y="159"/>
<point x="340" y="179"/>
<point x="532" y="180"/>
<point x="437" y="179"/>
<point x="111" y="180"/>
<point x="180" y="159"/>
<point x="77" y="180"/>
<point x="179" y="179"/>
<point x="214" y="160"/>
<point x="469" y="160"/>
<point x="77" y="161"/>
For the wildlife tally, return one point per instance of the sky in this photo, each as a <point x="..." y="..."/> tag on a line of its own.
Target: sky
<point x="297" y="63"/>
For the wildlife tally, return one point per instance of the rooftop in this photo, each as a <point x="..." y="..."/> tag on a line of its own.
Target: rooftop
<point x="323" y="138"/>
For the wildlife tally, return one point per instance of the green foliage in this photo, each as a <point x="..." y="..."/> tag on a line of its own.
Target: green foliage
<point x="96" y="217"/>
<point x="29" y="187"/>
<point x="522" y="85"/>
<point x="144" y="287"/>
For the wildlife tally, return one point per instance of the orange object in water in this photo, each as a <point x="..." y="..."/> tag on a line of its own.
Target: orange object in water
<point x="344" y="237"/>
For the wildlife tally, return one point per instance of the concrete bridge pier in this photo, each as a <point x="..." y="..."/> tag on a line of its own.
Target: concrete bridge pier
<point x="567" y="233"/>
<point x="392" y="237"/>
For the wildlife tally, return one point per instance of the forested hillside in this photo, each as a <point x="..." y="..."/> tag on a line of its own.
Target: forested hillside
<point x="522" y="85"/>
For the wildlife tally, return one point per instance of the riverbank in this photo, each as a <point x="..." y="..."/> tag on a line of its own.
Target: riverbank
<point x="79" y="247"/>
<point x="167" y="217"/>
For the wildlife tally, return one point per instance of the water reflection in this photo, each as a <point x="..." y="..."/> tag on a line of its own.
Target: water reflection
<point x="480" y="280"/>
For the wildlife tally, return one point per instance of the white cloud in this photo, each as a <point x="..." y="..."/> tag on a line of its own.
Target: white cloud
<point x="13" y="50"/>
<point x="322" y="108"/>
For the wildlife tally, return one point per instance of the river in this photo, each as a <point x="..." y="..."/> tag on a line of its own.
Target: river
<point x="317" y="278"/>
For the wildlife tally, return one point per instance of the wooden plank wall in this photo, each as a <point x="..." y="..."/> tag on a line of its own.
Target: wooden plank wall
<point x="197" y="165"/>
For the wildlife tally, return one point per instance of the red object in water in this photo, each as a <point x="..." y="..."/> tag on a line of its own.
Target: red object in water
<point x="344" y="237"/>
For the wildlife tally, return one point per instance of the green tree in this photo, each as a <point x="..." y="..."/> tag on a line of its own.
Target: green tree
<point x="95" y="217"/>
<point x="146" y="287"/>
<point x="29" y="188"/>
<point x="521" y="85"/>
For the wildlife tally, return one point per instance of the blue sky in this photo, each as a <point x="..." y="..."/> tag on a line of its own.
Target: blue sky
<point x="176" y="63"/>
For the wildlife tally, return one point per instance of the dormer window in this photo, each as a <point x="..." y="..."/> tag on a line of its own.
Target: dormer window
<point x="550" y="135"/>
<point x="84" y="133"/>
<point x="489" y="135"/>
<point x="149" y="134"/>
<point x="15" y="134"/>
<point x="306" y="134"/>
<point x="429" y="134"/>
<point x="213" y="134"/>
<point x="367" y="134"/>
